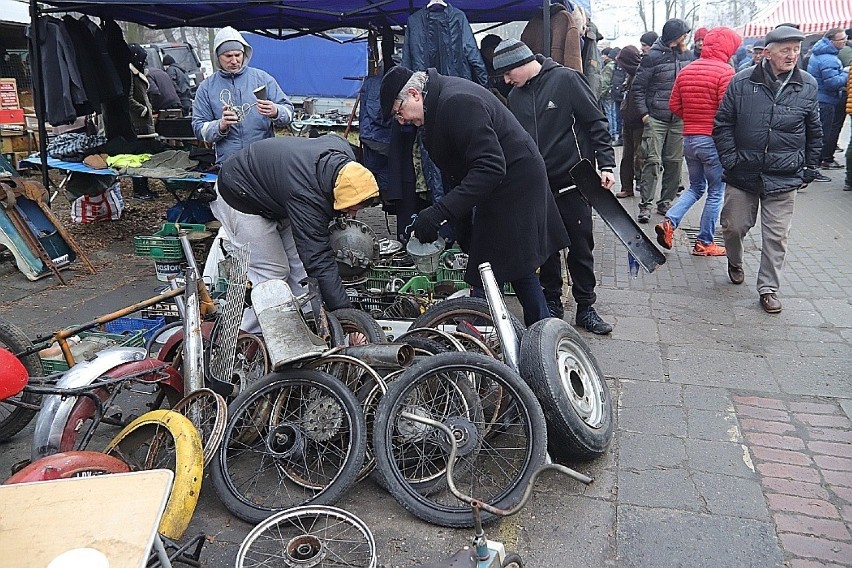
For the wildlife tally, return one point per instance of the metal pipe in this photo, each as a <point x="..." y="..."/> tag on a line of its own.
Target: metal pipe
<point x="509" y="341"/>
<point x="193" y="348"/>
<point x="35" y="61"/>
<point x="382" y="356"/>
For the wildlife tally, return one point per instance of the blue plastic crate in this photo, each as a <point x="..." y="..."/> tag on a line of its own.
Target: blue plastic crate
<point x="129" y="324"/>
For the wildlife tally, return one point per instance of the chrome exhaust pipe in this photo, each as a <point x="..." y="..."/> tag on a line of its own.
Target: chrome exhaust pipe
<point x="193" y="348"/>
<point x="382" y="356"/>
<point x="509" y="341"/>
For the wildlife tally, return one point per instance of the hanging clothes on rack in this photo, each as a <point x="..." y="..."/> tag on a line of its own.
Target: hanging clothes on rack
<point x="565" y="43"/>
<point x="116" y="112"/>
<point x="64" y="95"/>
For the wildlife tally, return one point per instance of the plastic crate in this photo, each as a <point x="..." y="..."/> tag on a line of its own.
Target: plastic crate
<point x="164" y="244"/>
<point x="133" y="339"/>
<point x="380" y="276"/>
<point x="128" y="324"/>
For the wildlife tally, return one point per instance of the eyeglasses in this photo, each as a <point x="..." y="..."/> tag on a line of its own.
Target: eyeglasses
<point x="397" y="114"/>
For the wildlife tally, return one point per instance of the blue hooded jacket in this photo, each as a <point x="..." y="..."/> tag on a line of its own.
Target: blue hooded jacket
<point x="826" y="68"/>
<point x="215" y="90"/>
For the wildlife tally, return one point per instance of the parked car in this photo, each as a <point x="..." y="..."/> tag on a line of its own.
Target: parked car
<point x="183" y="54"/>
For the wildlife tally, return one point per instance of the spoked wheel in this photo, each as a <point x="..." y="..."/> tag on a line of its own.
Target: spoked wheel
<point x="164" y="439"/>
<point x="470" y="316"/>
<point x="14" y="418"/>
<point x="494" y="469"/>
<point x="359" y="327"/>
<point x="568" y="381"/>
<point x="367" y="386"/>
<point x="208" y="412"/>
<point x="442" y="337"/>
<point x="69" y="464"/>
<point x="310" y="536"/>
<point x="251" y="362"/>
<point x="295" y="437"/>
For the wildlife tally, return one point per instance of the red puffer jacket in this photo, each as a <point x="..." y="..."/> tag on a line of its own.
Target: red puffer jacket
<point x="699" y="87"/>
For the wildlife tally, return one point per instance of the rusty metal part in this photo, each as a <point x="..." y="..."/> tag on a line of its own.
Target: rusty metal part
<point x="382" y="356"/>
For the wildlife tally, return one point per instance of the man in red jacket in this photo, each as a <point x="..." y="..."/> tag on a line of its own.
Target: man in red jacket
<point x="696" y="96"/>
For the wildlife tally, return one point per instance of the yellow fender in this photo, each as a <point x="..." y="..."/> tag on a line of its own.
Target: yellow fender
<point x="188" y="461"/>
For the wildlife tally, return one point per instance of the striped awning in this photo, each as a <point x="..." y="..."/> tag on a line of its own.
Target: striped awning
<point x="813" y="16"/>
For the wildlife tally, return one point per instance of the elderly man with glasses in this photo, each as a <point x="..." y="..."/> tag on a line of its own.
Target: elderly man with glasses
<point x="499" y="202"/>
<point x="831" y="79"/>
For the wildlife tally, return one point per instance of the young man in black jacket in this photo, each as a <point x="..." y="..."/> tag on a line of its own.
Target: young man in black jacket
<point x="561" y="113"/>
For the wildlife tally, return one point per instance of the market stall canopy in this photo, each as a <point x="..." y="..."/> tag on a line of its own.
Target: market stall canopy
<point x="14" y="12"/>
<point x="813" y="16"/>
<point x="315" y="15"/>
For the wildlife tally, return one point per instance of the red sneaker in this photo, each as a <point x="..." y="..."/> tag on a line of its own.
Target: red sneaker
<point x="665" y="233"/>
<point x="712" y="249"/>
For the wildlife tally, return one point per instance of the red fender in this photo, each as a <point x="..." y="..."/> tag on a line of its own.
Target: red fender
<point x="13" y="375"/>
<point x="69" y="464"/>
<point x="85" y="406"/>
<point x="175" y="343"/>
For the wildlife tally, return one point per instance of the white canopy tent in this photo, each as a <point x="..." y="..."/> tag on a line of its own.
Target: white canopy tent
<point x="813" y="16"/>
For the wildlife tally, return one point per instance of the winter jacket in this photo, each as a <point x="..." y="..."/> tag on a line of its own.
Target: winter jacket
<point x="655" y="79"/>
<point x="161" y="90"/>
<point x="765" y="140"/>
<point x="293" y="178"/>
<point x="236" y="89"/>
<point x="441" y="37"/>
<point x="181" y="83"/>
<point x="564" y="37"/>
<point x="699" y="88"/>
<point x="849" y="98"/>
<point x="592" y="57"/>
<point x="826" y="68"/>
<point x="492" y="164"/>
<point x="607" y="78"/>
<point x="558" y="109"/>
<point x="627" y="64"/>
<point x="140" y="105"/>
<point x="117" y="123"/>
<point x="65" y="97"/>
<point x="619" y="84"/>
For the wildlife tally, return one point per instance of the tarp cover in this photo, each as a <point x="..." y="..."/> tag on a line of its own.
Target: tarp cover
<point x="813" y="16"/>
<point x="293" y="14"/>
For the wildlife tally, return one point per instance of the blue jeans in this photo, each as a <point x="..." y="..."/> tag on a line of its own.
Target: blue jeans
<point x="705" y="174"/>
<point x="613" y="116"/>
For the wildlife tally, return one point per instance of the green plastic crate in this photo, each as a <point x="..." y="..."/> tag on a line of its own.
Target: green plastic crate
<point x="134" y="339"/>
<point x="380" y="276"/>
<point x="164" y="244"/>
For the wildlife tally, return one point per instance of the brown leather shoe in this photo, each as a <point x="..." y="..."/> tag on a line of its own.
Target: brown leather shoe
<point x="736" y="274"/>
<point x="770" y="303"/>
<point x="624" y="194"/>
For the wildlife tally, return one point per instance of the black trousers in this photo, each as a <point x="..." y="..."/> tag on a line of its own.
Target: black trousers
<point x="577" y="216"/>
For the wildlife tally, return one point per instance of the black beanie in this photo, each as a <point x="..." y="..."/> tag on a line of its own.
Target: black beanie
<point x="392" y="83"/>
<point x="672" y="30"/>
<point x="168" y="60"/>
<point x="648" y="38"/>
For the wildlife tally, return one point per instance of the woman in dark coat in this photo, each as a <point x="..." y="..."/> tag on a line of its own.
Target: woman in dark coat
<point x="500" y="203"/>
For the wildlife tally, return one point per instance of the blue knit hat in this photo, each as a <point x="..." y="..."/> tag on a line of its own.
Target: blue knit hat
<point x="511" y="53"/>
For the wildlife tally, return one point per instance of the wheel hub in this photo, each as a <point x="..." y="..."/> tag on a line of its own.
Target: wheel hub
<point x="465" y="433"/>
<point x="304" y="551"/>
<point x="285" y="441"/>
<point x="323" y="419"/>
<point x="581" y="386"/>
<point x="411" y="430"/>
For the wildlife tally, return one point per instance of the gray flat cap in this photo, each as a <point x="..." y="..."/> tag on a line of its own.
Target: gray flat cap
<point x="784" y="33"/>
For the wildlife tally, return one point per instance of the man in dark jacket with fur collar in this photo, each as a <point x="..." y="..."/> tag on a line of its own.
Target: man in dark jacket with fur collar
<point x="499" y="202"/>
<point x="768" y="135"/>
<point x="559" y="110"/>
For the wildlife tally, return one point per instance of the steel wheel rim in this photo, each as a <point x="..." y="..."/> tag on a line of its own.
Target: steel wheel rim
<point x="208" y="412"/>
<point x="581" y="383"/>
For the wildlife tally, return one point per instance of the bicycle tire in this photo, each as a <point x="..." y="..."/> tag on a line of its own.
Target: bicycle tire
<point x="208" y="412"/>
<point x="260" y="466"/>
<point x="462" y="314"/>
<point x="157" y="429"/>
<point x="361" y="323"/>
<point x="566" y="378"/>
<point x="65" y="465"/>
<point x="13" y="418"/>
<point x="298" y="537"/>
<point x="478" y="477"/>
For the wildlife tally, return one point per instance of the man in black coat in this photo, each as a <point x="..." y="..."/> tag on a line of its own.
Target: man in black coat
<point x="662" y="140"/>
<point x="181" y="82"/>
<point x="559" y="110"/>
<point x="161" y="90"/>
<point x="768" y="135"/>
<point x="279" y="195"/>
<point x="500" y="204"/>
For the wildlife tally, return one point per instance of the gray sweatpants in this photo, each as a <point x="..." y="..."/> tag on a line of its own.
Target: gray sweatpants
<point x="739" y="215"/>
<point x="273" y="251"/>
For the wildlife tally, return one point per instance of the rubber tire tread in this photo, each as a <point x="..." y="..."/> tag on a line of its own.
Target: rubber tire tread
<point x="523" y="394"/>
<point x="363" y="322"/>
<point x="331" y="494"/>
<point x="15" y="340"/>
<point x="570" y="438"/>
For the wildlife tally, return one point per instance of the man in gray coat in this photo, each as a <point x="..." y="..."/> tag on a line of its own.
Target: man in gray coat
<point x="768" y="135"/>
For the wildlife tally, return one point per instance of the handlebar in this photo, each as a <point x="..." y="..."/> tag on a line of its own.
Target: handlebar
<point x="475" y="503"/>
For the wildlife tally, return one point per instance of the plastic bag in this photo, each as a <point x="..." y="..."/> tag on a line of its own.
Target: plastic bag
<point x="105" y="206"/>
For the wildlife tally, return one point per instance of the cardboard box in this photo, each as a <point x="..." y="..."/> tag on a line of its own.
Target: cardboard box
<point x="17" y="143"/>
<point x="12" y="116"/>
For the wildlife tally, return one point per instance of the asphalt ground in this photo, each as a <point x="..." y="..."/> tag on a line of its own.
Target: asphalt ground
<point x="733" y="442"/>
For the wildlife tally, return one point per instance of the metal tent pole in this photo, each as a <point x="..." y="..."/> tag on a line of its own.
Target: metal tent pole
<point x="546" y="27"/>
<point x="35" y="62"/>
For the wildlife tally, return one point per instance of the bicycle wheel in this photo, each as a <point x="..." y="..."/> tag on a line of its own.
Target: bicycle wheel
<point x="446" y="339"/>
<point x="568" y="381"/>
<point x="163" y="439"/>
<point x="68" y="464"/>
<point x="251" y="362"/>
<point x="295" y="437"/>
<point x="208" y="412"/>
<point x="466" y="315"/>
<point x="312" y="536"/>
<point x="13" y="418"/>
<point x="359" y="327"/>
<point x="494" y="469"/>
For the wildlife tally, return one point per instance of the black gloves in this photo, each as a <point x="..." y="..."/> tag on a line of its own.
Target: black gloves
<point x="809" y="174"/>
<point x="428" y="222"/>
